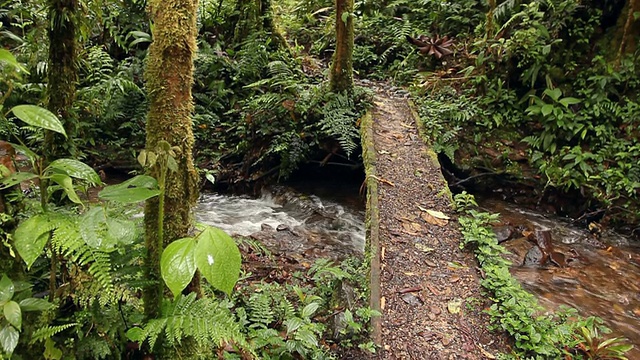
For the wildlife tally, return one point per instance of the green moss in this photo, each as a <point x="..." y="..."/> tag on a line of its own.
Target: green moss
<point x="62" y="75"/>
<point x="372" y="222"/>
<point x="169" y="79"/>
<point x="341" y="75"/>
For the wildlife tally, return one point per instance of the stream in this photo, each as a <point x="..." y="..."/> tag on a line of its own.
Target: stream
<point x="601" y="276"/>
<point x="286" y="221"/>
<point x="602" y="279"/>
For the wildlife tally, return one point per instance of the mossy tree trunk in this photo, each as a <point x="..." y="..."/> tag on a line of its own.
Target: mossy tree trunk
<point x="169" y="78"/>
<point x="341" y="75"/>
<point x="62" y="75"/>
<point x="254" y="16"/>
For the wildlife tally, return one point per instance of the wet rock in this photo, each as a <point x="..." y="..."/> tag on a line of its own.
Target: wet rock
<point x="339" y="326"/>
<point x="266" y="227"/>
<point x="594" y="242"/>
<point x="282" y="227"/>
<point x="411" y="299"/>
<point x="558" y="259"/>
<point x="343" y="298"/>
<point x="534" y="257"/>
<point x="505" y="233"/>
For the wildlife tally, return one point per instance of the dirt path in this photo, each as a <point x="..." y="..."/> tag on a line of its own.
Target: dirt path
<point x="426" y="287"/>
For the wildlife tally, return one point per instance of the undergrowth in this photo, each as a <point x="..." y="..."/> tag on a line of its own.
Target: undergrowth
<point x="537" y="333"/>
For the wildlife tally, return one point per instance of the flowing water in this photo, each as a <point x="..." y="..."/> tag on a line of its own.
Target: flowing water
<point x="602" y="278"/>
<point x="290" y="222"/>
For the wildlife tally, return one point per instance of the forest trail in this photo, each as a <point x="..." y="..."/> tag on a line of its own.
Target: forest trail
<point x="426" y="288"/>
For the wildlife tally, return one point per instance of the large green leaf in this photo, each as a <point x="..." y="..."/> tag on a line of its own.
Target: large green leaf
<point x="177" y="264"/>
<point x="39" y="117"/>
<point x="93" y="229"/>
<point x="218" y="259"/>
<point x="136" y="189"/>
<point x="9" y="338"/>
<point x="569" y="101"/>
<point x="13" y="314"/>
<point x="31" y="236"/>
<point x="34" y="304"/>
<point x="15" y="179"/>
<point x="124" y="231"/>
<point x="76" y="169"/>
<point x="26" y="151"/>
<point x="7" y="57"/>
<point x="66" y="183"/>
<point x="7" y="289"/>
<point x="553" y="93"/>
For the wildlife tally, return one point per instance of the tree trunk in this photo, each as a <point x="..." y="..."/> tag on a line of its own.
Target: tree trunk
<point x="254" y="16"/>
<point x="631" y="29"/>
<point x="62" y="75"/>
<point x="341" y="75"/>
<point x="169" y="78"/>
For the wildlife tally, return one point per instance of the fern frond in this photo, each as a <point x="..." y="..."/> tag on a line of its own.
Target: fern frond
<point x="260" y="310"/>
<point x="68" y="241"/>
<point x="506" y="8"/>
<point x="47" y="332"/>
<point x="339" y="122"/>
<point x="204" y="320"/>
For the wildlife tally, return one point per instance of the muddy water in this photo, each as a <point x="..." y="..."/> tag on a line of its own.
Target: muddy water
<point x="602" y="278"/>
<point x="289" y="222"/>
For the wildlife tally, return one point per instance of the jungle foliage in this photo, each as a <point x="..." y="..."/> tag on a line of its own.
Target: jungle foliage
<point x="72" y="269"/>
<point x="540" y="78"/>
<point x="537" y="76"/>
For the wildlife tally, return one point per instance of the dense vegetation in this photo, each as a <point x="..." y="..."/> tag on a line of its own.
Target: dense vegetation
<point x="544" y="92"/>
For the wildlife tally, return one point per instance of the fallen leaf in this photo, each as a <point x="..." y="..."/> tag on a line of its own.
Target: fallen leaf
<point x="454" y="279"/>
<point x="383" y="302"/>
<point x="423" y="248"/>
<point x="433" y="290"/>
<point x="382" y="252"/>
<point x="411" y="226"/>
<point x="430" y="263"/>
<point x="430" y="219"/>
<point x="438" y="214"/>
<point x="447" y="340"/>
<point x="484" y="352"/>
<point x="409" y="274"/>
<point x="410" y="289"/>
<point x="454" y="306"/>
<point x="383" y="152"/>
<point x="455" y="265"/>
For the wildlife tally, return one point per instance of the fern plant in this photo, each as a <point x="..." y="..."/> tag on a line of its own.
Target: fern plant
<point x="339" y="121"/>
<point x="207" y="321"/>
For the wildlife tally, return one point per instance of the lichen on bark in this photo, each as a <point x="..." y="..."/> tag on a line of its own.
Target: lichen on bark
<point x="169" y="79"/>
